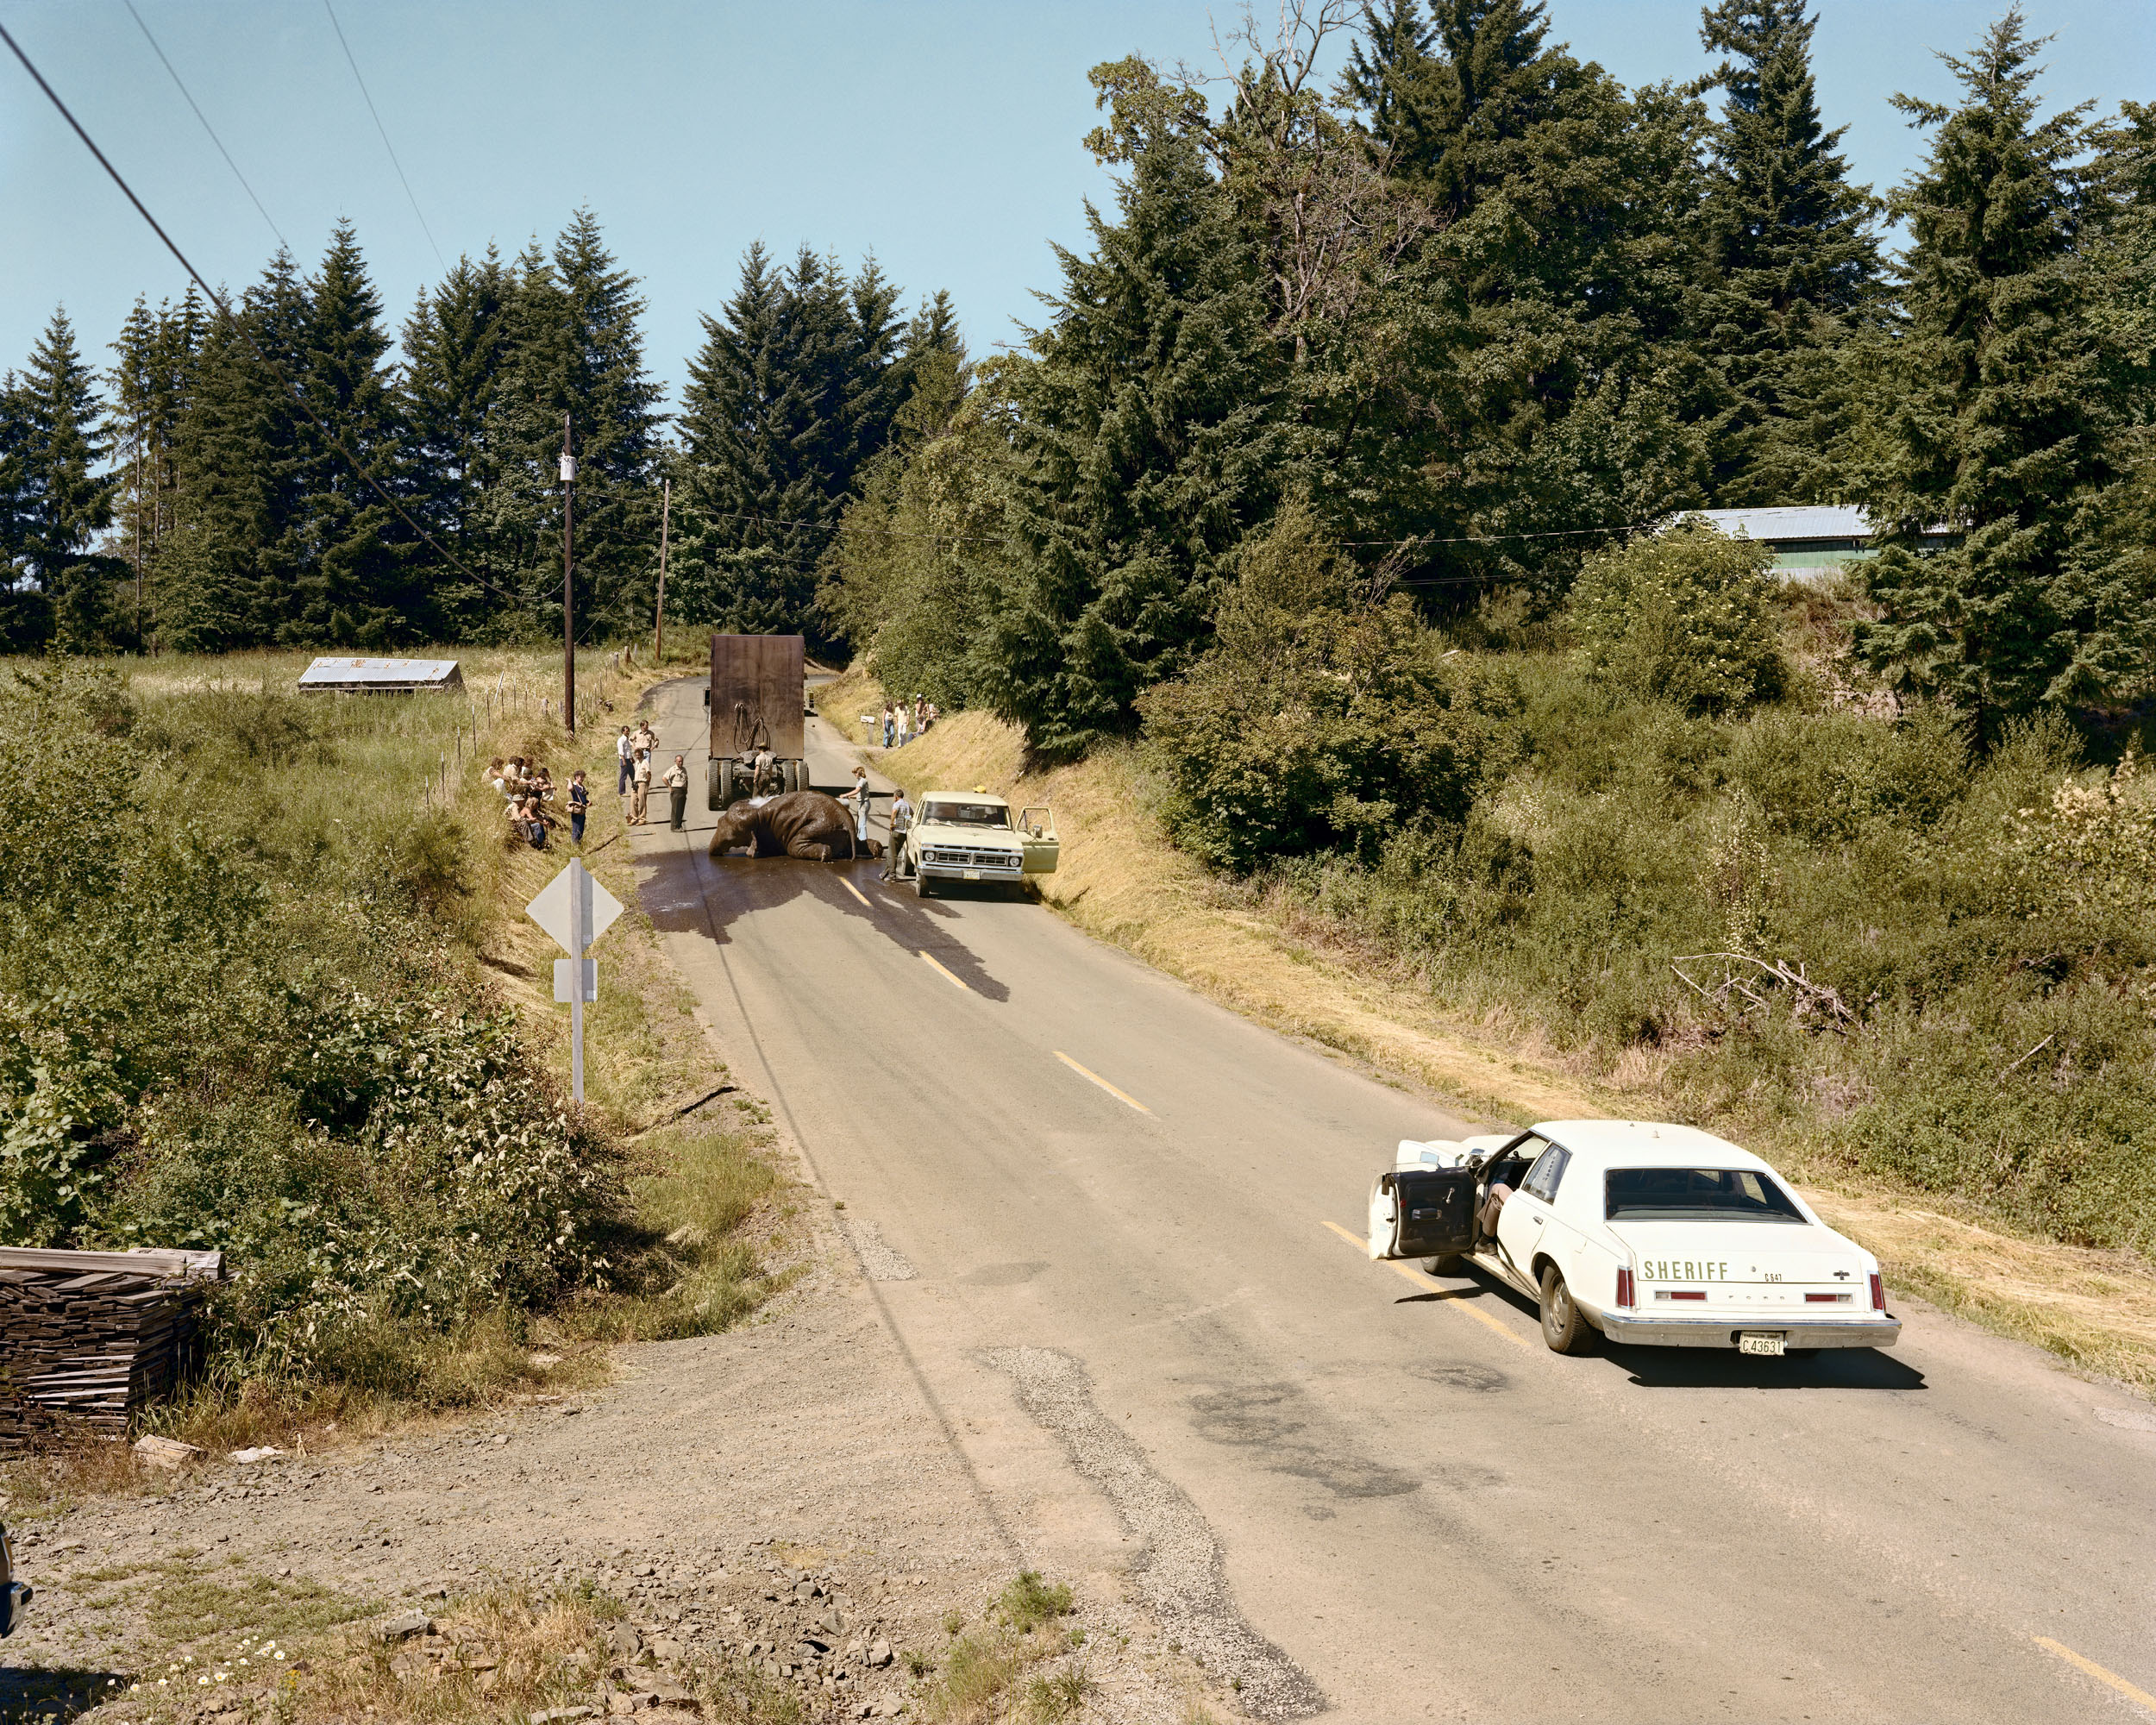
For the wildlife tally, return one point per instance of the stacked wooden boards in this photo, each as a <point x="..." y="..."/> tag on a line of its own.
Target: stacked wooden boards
<point x="89" y="1338"/>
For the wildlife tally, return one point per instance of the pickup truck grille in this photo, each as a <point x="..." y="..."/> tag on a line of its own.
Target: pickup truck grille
<point x="1007" y="861"/>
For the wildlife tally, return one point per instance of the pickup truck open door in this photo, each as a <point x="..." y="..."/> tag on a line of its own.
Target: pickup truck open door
<point x="1037" y="830"/>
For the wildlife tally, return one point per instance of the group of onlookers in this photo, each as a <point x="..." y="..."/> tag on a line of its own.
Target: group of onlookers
<point x="638" y="751"/>
<point x="903" y="721"/>
<point x="526" y="788"/>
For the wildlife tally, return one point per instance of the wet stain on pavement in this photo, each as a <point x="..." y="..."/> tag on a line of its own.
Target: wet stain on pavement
<point x="1295" y="1439"/>
<point x="1003" y="1275"/>
<point x="1461" y="1375"/>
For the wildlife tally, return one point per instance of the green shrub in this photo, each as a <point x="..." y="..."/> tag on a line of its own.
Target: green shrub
<point x="1686" y="616"/>
<point x="1317" y="723"/>
<point x="232" y="1021"/>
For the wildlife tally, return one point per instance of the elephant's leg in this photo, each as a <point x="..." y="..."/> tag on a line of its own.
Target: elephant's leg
<point x="816" y="853"/>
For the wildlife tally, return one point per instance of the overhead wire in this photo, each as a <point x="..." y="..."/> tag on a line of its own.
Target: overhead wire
<point x="174" y="72"/>
<point x="384" y="131"/>
<point x="217" y="299"/>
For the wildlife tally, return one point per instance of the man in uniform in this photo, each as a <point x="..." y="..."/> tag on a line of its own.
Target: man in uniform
<point x="677" y="794"/>
<point x="901" y="822"/>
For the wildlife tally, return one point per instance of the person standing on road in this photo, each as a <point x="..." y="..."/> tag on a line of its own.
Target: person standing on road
<point x="677" y="782"/>
<point x="901" y="823"/>
<point x="640" y="797"/>
<point x="627" y="750"/>
<point x="579" y="806"/>
<point x="860" y="795"/>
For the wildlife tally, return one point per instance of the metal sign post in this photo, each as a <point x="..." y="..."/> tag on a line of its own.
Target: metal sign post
<point x="575" y="910"/>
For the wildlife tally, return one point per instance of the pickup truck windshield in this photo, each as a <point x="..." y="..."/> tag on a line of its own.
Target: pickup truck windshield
<point x="1688" y="1194"/>
<point x="966" y="814"/>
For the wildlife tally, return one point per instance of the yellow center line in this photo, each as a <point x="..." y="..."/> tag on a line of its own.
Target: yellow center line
<point x="855" y="890"/>
<point x="2098" y="1671"/>
<point x="1426" y="1284"/>
<point x="946" y="975"/>
<point x="1094" y="1078"/>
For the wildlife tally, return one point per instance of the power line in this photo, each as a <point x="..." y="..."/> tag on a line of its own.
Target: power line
<point x="205" y="118"/>
<point x="384" y="131"/>
<point x="218" y="300"/>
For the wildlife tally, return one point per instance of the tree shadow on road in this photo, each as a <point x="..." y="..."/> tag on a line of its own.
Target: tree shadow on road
<point x="688" y="891"/>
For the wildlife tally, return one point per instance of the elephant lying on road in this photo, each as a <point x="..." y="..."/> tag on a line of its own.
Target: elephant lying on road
<point x="803" y="824"/>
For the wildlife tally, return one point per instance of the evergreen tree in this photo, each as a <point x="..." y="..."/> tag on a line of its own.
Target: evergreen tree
<point x="1151" y="438"/>
<point x="1532" y="387"/>
<point x="24" y="616"/>
<point x="350" y="553"/>
<point x="455" y="346"/>
<point x="1790" y="258"/>
<point x="2005" y="428"/>
<point x="1390" y="77"/>
<point x="574" y="351"/>
<point x="794" y="391"/>
<point x="229" y="560"/>
<point x="1457" y="98"/>
<point x="63" y="502"/>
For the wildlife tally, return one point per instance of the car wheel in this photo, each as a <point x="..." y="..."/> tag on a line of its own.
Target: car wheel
<point x="1563" y="1326"/>
<point x="1445" y="1264"/>
<point x="920" y="884"/>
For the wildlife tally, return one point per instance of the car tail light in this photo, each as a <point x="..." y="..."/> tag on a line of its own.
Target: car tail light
<point x="1680" y="1292"/>
<point x="1823" y="1299"/>
<point x="1624" y="1287"/>
<point x="1879" y="1293"/>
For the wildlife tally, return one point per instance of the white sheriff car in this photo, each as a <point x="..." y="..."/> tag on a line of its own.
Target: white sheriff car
<point x="1645" y="1233"/>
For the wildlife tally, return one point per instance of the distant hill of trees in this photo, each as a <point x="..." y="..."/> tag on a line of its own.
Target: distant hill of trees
<point x="1480" y="308"/>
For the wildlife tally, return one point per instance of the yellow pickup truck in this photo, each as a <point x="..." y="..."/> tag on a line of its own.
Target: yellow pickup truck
<point x="973" y="836"/>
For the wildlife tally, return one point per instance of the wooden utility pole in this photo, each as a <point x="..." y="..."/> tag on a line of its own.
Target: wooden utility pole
<point x="659" y="620"/>
<point x="569" y="591"/>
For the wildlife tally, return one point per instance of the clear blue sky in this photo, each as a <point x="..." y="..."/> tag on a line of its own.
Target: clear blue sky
<point x="942" y="136"/>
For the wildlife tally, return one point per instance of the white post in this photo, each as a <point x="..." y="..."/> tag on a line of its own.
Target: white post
<point x="580" y="923"/>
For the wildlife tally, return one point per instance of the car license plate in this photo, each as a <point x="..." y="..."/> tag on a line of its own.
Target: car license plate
<point x="1751" y="1342"/>
<point x="973" y="874"/>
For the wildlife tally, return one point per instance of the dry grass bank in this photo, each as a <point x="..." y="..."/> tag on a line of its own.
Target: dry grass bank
<point x="1121" y="880"/>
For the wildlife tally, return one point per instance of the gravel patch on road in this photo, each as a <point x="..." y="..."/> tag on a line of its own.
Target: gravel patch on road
<point x="1179" y="1571"/>
<point x="881" y="1260"/>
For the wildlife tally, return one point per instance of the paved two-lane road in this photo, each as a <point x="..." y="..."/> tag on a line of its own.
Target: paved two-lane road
<point x="1113" y="1225"/>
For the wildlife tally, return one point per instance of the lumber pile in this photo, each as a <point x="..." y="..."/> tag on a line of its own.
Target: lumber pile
<point x="89" y="1338"/>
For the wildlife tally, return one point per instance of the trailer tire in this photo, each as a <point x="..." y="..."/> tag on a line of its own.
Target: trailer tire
<point x="711" y="799"/>
<point x="727" y="786"/>
<point x="791" y="777"/>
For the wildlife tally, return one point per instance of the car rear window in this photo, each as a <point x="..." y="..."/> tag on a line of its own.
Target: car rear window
<point x="1684" y="1195"/>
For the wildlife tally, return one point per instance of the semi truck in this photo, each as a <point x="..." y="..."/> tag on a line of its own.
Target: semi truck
<point x="758" y="699"/>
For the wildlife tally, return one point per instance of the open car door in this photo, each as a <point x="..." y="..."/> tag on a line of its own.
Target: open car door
<point x="1422" y="1213"/>
<point x="1037" y="830"/>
